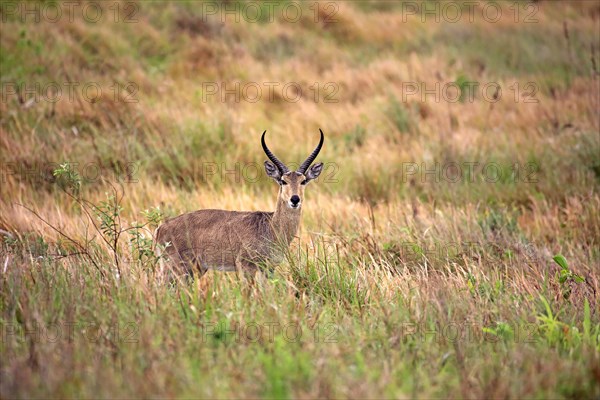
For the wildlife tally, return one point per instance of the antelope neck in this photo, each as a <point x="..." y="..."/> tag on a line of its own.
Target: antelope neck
<point x="286" y="221"/>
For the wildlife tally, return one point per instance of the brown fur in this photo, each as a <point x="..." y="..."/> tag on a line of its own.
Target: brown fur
<point x="233" y="240"/>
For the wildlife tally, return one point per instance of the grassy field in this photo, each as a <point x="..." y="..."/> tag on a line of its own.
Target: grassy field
<point x="451" y="247"/>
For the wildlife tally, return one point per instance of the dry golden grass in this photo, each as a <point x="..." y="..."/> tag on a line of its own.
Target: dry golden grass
<point x="389" y="259"/>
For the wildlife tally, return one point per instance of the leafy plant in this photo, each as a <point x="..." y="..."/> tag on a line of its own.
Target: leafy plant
<point x="106" y="220"/>
<point x="549" y="324"/>
<point x="565" y="276"/>
<point x="501" y="330"/>
<point x="141" y="243"/>
<point x="68" y="178"/>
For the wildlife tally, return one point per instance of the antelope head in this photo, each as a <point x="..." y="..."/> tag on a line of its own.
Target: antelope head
<point x="292" y="183"/>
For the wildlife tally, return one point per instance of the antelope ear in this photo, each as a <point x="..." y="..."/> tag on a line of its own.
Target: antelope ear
<point x="314" y="172"/>
<point x="272" y="171"/>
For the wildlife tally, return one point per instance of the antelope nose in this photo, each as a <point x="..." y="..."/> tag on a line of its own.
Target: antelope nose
<point x="295" y="199"/>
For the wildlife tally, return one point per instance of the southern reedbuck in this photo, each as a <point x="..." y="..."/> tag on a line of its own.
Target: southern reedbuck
<point x="240" y="240"/>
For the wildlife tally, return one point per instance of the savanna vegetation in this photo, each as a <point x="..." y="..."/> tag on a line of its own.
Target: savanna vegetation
<point x="451" y="247"/>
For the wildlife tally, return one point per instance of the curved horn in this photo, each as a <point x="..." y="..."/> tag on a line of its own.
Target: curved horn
<point x="272" y="157"/>
<point x="302" y="169"/>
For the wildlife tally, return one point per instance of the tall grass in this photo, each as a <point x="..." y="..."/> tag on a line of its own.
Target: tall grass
<point x="449" y="249"/>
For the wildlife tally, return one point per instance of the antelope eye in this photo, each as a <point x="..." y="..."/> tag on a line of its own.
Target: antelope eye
<point x="283" y="182"/>
<point x="304" y="182"/>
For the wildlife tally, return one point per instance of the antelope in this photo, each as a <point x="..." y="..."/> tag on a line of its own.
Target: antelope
<point x="243" y="241"/>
